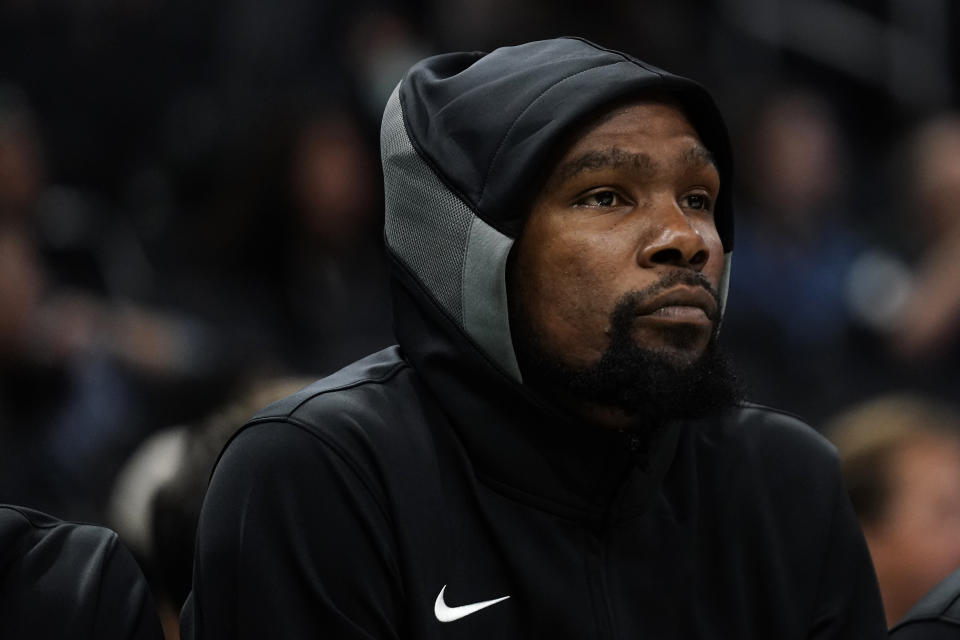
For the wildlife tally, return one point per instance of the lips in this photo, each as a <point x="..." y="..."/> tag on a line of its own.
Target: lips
<point x="682" y="303"/>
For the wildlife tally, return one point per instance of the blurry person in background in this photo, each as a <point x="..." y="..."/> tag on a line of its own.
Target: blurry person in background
<point x="334" y="273"/>
<point x="928" y="324"/>
<point x="795" y="248"/>
<point x="936" y="616"/>
<point x="907" y="290"/>
<point x="80" y="357"/>
<point x="180" y="273"/>
<point x="19" y="290"/>
<point x="156" y="498"/>
<point x="21" y="178"/>
<point x="900" y="457"/>
<point x="305" y="269"/>
<point x="379" y="47"/>
<point x="22" y="172"/>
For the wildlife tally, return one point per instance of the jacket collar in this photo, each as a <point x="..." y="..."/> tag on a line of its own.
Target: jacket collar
<point x="518" y="443"/>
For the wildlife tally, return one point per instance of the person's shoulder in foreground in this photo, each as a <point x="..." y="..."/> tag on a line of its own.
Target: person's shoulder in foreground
<point x="66" y="580"/>
<point x="556" y="447"/>
<point x="936" y="616"/>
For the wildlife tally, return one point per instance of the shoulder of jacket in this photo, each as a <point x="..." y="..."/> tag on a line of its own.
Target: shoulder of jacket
<point x="21" y="521"/>
<point x="362" y="376"/>
<point x="371" y="409"/>
<point x="767" y="430"/>
<point x="27" y="536"/>
<point x="24" y="518"/>
<point x="942" y="604"/>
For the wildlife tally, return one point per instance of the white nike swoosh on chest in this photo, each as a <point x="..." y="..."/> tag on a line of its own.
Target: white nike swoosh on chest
<point x="449" y="614"/>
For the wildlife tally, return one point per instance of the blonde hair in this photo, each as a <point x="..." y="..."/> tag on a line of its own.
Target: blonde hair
<point x="868" y="435"/>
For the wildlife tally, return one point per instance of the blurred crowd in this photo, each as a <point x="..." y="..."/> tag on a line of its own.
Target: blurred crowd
<point x="190" y="211"/>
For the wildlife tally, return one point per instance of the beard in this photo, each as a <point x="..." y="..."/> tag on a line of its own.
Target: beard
<point x="652" y="387"/>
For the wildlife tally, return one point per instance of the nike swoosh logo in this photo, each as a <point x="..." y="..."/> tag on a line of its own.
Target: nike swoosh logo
<point x="449" y="614"/>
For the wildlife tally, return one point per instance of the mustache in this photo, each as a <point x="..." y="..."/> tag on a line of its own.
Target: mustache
<point x="630" y="304"/>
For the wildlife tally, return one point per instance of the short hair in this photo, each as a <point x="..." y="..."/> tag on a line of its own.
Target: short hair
<point x="175" y="506"/>
<point x="869" y="435"/>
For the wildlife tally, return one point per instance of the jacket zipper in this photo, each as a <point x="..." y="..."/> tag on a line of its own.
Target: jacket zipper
<point x="598" y="537"/>
<point x="598" y="573"/>
<point x="598" y="586"/>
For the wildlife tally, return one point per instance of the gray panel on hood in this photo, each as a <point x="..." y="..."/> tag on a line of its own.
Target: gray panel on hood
<point x="485" y="310"/>
<point x="426" y="225"/>
<point x="457" y="257"/>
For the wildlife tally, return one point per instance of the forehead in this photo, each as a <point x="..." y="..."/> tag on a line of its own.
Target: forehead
<point x="645" y="132"/>
<point x="638" y="122"/>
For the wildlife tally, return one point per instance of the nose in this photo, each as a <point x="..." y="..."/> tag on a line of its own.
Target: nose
<point x="675" y="242"/>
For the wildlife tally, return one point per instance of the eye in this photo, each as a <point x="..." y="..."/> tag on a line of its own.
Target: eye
<point x="697" y="201"/>
<point x="605" y="198"/>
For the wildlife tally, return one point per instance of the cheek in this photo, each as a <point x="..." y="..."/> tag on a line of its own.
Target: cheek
<point x="933" y="517"/>
<point x="569" y="295"/>
<point x="714" y="267"/>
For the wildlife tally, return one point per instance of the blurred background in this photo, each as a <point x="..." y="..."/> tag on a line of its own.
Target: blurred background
<point x="190" y="209"/>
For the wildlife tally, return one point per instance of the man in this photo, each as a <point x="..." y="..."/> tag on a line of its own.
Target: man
<point x="900" y="458"/>
<point x="65" y="580"/>
<point x="553" y="449"/>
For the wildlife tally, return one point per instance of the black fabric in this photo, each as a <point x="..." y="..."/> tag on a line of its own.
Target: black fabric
<point x="490" y="123"/>
<point x="928" y="630"/>
<point x="342" y="511"/>
<point x="66" y="580"/>
<point x="936" y="616"/>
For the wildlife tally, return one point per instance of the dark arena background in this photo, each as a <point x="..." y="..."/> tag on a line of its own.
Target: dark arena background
<point x="191" y="207"/>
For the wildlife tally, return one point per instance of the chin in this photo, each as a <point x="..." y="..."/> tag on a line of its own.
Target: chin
<point x="682" y="346"/>
<point x="680" y="358"/>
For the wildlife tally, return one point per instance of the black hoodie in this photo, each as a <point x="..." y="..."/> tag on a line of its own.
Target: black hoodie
<point x="384" y="500"/>
<point x="67" y="580"/>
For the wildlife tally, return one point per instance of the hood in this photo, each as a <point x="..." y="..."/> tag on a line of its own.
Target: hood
<point x="465" y="139"/>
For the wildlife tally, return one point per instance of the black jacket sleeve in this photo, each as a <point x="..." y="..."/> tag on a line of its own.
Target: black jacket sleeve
<point x="927" y="630"/>
<point x="849" y="605"/>
<point x="125" y="607"/>
<point x="293" y="542"/>
<point x="66" y="580"/>
<point x="935" y="616"/>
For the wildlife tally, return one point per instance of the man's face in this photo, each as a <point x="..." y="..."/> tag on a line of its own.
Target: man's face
<point x="629" y="205"/>
<point x="620" y="246"/>
<point x="917" y="542"/>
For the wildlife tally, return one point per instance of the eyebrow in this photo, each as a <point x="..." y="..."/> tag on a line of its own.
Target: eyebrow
<point x="699" y="155"/>
<point x="639" y="162"/>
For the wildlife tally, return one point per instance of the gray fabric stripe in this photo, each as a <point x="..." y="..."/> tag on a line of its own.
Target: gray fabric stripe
<point x="426" y="225"/>
<point x="485" y="314"/>
<point x="459" y="259"/>
<point x="724" y="288"/>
